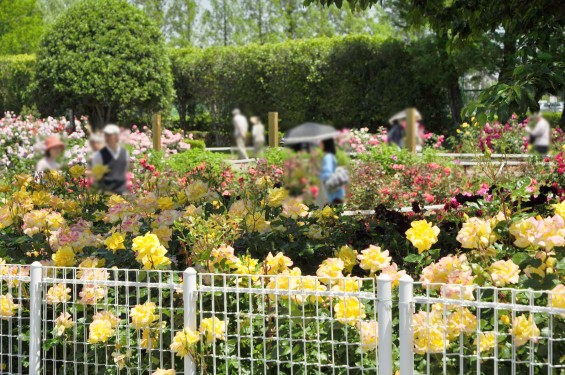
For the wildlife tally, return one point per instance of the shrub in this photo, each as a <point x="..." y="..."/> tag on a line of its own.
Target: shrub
<point x="186" y="161"/>
<point x="277" y="155"/>
<point x="16" y="75"/>
<point x="196" y="144"/>
<point x="104" y="58"/>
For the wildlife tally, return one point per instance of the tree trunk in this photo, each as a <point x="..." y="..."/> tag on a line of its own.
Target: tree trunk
<point x="508" y="59"/>
<point x="455" y="100"/>
<point x="182" y="115"/>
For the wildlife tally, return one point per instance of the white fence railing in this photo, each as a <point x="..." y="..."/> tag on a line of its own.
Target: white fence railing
<point x="270" y="324"/>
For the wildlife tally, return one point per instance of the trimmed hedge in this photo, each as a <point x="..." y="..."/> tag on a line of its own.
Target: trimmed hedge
<point x="351" y="81"/>
<point x="346" y="81"/>
<point x="16" y="75"/>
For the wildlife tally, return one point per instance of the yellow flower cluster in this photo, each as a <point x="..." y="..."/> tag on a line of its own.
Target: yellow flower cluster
<point x="7" y="306"/>
<point x="329" y="269"/>
<point x="213" y="329"/>
<point x="538" y="232"/>
<point x="374" y="259"/>
<point x="349" y="257"/>
<point x="524" y="329"/>
<point x="486" y="341"/>
<point x="103" y="327"/>
<point x="115" y="242"/>
<point x="64" y="257"/>
<point x="277" y="264"/>
<point x="150" y="253"/>
<point x="184" y="341"/>
<point x="477" y="233"/>
<point x="422" y="235"/>
<point x="349" y="310"/>
<point x="143" y="316"/>
<point x="58" y="293"/>
<point x="276" y="197"/>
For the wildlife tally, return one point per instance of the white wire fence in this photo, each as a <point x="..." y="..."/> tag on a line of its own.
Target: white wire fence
<point x="102" y="321"/>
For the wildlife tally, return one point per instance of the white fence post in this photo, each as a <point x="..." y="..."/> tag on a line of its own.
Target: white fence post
<point x="406" y="336"/>
<point x="384" y="303"/>
<point x="189" y="299"/>
<point x="36" y="274"/>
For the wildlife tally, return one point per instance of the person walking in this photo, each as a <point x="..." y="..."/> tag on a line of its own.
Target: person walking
<point x="258" y="134"/>
<point x="53" y="150"/>
<point x="397" y="133"/>
<point x="540" y="134"/>
<point x="240" y="126"/>
<point x="115" y="158"/>
<point x="332" y="177"/>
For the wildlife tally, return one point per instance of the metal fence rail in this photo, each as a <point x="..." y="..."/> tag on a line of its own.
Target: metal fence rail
<point x="270" y="324"/>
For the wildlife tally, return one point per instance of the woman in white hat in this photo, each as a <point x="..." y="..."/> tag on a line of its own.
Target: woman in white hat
<point x="116" y="158"/>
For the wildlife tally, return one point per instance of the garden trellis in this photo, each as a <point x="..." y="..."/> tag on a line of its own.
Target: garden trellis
<point x="262" y="324"/>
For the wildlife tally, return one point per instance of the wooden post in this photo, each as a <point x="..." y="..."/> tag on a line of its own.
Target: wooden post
<point x="411" y="129"/>
<point x="273" y="129"/>
<point x="156" y="129"/>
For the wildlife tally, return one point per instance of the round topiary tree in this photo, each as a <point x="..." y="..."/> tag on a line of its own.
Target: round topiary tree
<point x="104" y="58"/>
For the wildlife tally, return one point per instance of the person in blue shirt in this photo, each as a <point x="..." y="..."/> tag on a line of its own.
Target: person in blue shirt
<point x="329" y="166"/>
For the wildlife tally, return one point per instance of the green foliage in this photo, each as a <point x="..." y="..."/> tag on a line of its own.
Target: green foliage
<point x="196" y="144"/>
<point x="16" y="76"/>
<point x="554" y="118"/>
<point x="300" y="79"/>
<point x="277" y="155"/>
<point x="104" y="58"/>
<point x="21" y="26"/>
<point x="186" y="161"/>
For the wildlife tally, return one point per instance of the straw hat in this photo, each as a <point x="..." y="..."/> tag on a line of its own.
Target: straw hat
<point x="52" y="142"/>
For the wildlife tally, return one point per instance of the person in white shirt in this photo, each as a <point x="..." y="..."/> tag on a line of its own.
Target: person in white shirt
<point x="116" y="158"/>
<point x="240" y="126"/>
<point x="53" y="150"/>
<point x="541" y="134"/>
<point x="258" y="134"/>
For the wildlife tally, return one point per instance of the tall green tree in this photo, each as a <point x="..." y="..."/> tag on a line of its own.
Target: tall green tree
<point x="222" y="24"/>
<point x="21" y="26"/>
<point x="51" y="9"/>
<point x="180" y="22"/>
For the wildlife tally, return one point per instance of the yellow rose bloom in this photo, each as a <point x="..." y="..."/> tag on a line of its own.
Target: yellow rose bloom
<point x="429" y="331"/>
<point x="505" y="319"/>
<point x="40" y="198"/>
<point x="166" y="203"/>
<point x="246" y="266"/>
<point x="524" y="329"/>
<point x="504" y="273"/>
<point x="373" y="259"/>
<point x="196" y="191"/>
<point x="256" y="222"/>
<point x="349" y="257"/>
<point x="58" y="293"/>
<point x="7" y="306"/>
<point x="394" y="274"/>
<point x="77" y="171"/>
<point x="486" y="341"/>
<point x="213" y="328"/>
<point x="329" y="269"/>
<point x="64" y="257"/>
<point x="559" y="209"/>
<point x="276" y="197"/>
<point x="277" y="264"/>
<point x="164" y="372"/>
<point x="99" y="171"/>
<point x="150" y="253"/>
<point x="310" y="285"/>
<point x="63" y="322"/>
<point x="476" y="233"/>
<point x="143" y="316"/>
<point x="287" y="280"/>
<point x="422" y="235"/>
<point x="347" y="285"/>
<point x="557" y="297"/>
<point x="222" y="257"/>
<point x="184" y="341"/>
<point x="102" y="327"/>
<point x="369" y="333"/>
<point x="115" y="242"/>
<point x="293" y="208"/>
<point x="349" y="310"/>
<point x="460" y="321"/>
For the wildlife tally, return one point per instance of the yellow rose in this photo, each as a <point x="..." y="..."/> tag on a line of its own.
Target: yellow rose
<point x="115" y="242"/>
<point x="460" y="321"/>
<point x="143" y="316"/>
<point x="373" y="259"/>
<point x="311" y="285"/>
<point x="7" y="306"/>
<point x="277" y="264"/>
<point x="486" y="341"/>
<point x="256" y="223"/>
<point x="422" y="235"/>
<point x="557" y="297"/>
<point x="394" y="274"/>
<point x="64" y="257"/>
<point x="559" y="208"/>
<point x="276" y="197"/>
<point x="369" y="333"/>
<point x="77" y="171"/>
<point x="293" y="208"/>
<point x="103" y="327"/>
<point x="58" y="293"/>
<point x="184" y="341"/>
<point x="505" y="319"/>
<point x="99" y="171"/>
<point x="286" y="281"/>
<point x="196" y="191"/>
<point x="164" y="372"/>
<point x="329" y="269"/>
<point x="349" y="257"/>
<point x="213" y="328"/>
<point x="477" y="234"/>
<point x="349" y="310"/>
<point x="504" y="273"/>
<point x="166" y="203"/>
<point x="150" y="253"/>
<point x="63" y="322"/>
<point x="429" y="331"/>
<point x="524" y="329"/>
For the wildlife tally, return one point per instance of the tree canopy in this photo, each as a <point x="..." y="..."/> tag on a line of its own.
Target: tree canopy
<point x="104" y="58"/>
<point x="21" y="25"/>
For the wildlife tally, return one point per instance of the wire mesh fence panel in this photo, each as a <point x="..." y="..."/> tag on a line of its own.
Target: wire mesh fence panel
<point x="100" y="321"/>
<point x="287" y="324"/>
<point x="463" y="329"/>
<point x="14" y="319"/>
